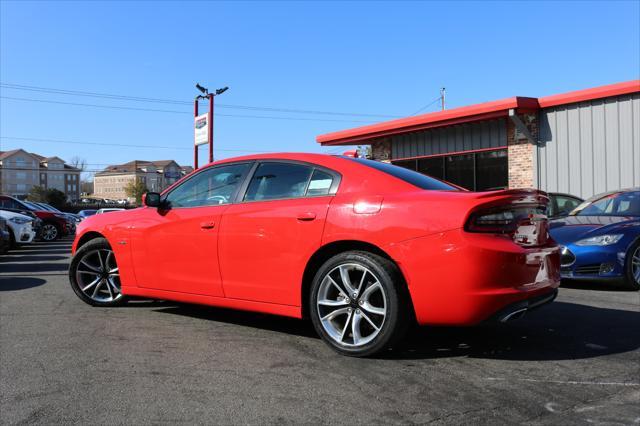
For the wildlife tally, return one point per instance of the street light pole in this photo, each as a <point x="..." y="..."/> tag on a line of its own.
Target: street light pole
<point x="195" y="147"/>
<point x="210" y="96"/>
<point x="210" y="127"/>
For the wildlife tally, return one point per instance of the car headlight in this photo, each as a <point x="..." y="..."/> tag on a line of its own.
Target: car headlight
<point x="61" y="216"/>
<point x="600" y="240"/>
<point x="19" y="220"/>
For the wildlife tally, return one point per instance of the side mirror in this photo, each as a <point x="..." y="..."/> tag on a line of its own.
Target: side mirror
<point x="151" y="199"/>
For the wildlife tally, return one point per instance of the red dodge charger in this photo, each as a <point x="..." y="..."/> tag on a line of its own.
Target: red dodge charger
<point x="360" y="247"/>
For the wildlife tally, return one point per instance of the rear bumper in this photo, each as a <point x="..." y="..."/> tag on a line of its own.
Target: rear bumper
<point x="460" y="278"/>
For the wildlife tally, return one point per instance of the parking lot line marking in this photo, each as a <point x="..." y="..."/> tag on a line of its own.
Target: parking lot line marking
<point x="563" y="382"/>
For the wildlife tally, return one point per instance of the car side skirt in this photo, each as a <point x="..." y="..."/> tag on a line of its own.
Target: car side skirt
<point x="221" y="302"/>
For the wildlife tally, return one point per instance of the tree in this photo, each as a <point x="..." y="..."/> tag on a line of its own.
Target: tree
<point x="135" y="188"/>
<point x="56" y="198"/>
<point x="78" y="163"/>
<point x="37" y="194"/>
<point x="51" y="196"/>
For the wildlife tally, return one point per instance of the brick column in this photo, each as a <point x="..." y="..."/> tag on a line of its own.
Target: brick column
<point x="381" y="150"/>
<point x="521" y="152"/>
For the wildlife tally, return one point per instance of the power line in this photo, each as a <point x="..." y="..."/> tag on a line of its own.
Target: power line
<point x="428" y="105"/>
<point x="122" y="145"/>
<point x="177" y="112"/>
<point x="179" y="102"/>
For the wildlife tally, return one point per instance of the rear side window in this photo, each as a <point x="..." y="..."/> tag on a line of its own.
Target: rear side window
<point x="273" y="181"/>
<point x="320" y="183"/>
<point x="409" y="176"/>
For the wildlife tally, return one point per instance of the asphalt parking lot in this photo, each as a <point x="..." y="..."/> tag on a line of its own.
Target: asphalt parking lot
<point x="576" y="361"/>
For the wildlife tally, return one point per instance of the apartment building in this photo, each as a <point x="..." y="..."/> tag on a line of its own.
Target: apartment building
<point x="21" y="170"/>
<point x="156" y="175"/>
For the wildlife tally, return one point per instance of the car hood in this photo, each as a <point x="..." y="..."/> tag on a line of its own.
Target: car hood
<point x="8" y="215"/>
<point x="573" y="228"/>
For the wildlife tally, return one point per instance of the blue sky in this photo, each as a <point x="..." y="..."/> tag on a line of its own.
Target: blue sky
<point x="360" y="57"/>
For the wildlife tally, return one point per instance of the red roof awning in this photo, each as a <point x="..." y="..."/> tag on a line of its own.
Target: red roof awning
<point x="472" y="113"/>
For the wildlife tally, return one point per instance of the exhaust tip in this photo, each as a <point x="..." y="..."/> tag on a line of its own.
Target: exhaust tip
<point x="514" y="315"/>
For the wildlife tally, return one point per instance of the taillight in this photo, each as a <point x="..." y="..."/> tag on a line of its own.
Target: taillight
<point x="527" y="225"/>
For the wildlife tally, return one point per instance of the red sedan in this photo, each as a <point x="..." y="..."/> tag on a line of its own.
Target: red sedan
<point x="362" y="248"/>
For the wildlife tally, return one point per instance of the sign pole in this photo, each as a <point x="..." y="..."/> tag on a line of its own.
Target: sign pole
<point x="210" y="127"/>
<point x="195" y="147"/>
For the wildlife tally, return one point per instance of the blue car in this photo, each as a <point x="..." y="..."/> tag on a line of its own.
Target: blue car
<point x="600" y="238"/>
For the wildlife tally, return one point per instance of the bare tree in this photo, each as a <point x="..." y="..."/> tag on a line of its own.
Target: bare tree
<point x="78" y="163"/>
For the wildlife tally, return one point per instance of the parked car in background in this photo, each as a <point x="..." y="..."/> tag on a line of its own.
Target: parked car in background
<point x="54" y="225"/>
<point x="601" y="238"/>
<point x="20" y="227"/>
<point x="5" y="239"/>
<point x="361" y="247"/>
<point x="107" y="210"/>
<point x="71" y="221"/>
<point x="123" y="202"/>
<point x="72" y="216"/>
<point x="560" y="205"/>
<point x="86" y="213"/>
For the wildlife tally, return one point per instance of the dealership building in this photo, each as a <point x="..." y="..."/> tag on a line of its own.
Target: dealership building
<point x="581" y="143"/>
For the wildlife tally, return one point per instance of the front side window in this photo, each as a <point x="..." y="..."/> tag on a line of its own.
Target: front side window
<point x="273" y="181"/>
<point x="211" y="187"/>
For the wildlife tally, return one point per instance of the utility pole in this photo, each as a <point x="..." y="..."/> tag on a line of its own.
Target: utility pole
<point x="209" y="120"/>
<point x="442" y="97"/>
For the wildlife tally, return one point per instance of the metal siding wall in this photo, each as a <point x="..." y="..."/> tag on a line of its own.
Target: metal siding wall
<point x="463" y="137"/>
<point x="590" y="147"/>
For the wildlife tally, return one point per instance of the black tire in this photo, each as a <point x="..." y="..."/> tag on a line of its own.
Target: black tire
<point x="397" y="306"/>
<point x="630" y="281"/>
<point x="99" y="245"/>
<point x="50" y="232"/>
<point x="12" y="240"/>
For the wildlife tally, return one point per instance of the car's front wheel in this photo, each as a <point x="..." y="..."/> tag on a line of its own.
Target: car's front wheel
<point x="50" y="232"/>
<point x="633" y="266"/>
<point x="94" y="274"/>
<point x="358" y="303"/>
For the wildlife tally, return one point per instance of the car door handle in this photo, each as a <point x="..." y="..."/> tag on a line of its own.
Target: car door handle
<point x="306" y="216"/>
<point x="207" y="225"/>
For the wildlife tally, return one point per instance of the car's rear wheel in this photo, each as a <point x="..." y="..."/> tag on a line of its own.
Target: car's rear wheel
<point x="50" y="232"/>
<point x="94" y="274"/>
<point x="633" y="266"/>
<point x="358" y="303"/>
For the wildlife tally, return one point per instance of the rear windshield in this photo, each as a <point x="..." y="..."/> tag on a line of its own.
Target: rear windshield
<point x="409" y="176"/>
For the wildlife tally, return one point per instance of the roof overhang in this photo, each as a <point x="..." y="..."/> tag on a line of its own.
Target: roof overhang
<point x="467" y="114"/>
<point x="472" y="113"/>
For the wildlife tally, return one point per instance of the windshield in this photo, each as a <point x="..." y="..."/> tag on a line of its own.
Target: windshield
<point x="614" y="204"/>
<point x="32" y="206"/>
<point x="409" y="176"/>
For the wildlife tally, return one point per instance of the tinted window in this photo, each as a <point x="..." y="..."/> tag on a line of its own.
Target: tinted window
<point x="565" y="204"/>
<point x="617" y="204"/>
<point x="459" y="170"/>
<point x="210" y="187"/>
<point x="492" y="171"/>
<point x="409" y="176"/>
<point x="273" y="181"/>
<point x="433" y="167"/>
<point x="9" y="203"/>
<point x="320" y="183"/>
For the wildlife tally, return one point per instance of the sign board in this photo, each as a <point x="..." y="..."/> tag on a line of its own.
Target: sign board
<point x="201" y="129"/>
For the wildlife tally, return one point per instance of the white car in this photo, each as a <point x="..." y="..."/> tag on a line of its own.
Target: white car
<point x="20" y="227"/>
<point x="108" y="210"/>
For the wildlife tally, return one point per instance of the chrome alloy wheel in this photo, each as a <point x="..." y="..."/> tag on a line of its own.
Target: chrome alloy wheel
<point x="352" y="305"/>
<point x="49" y="232"/>
<point x="98" y="276"/>
<point x="635" y="265"/>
